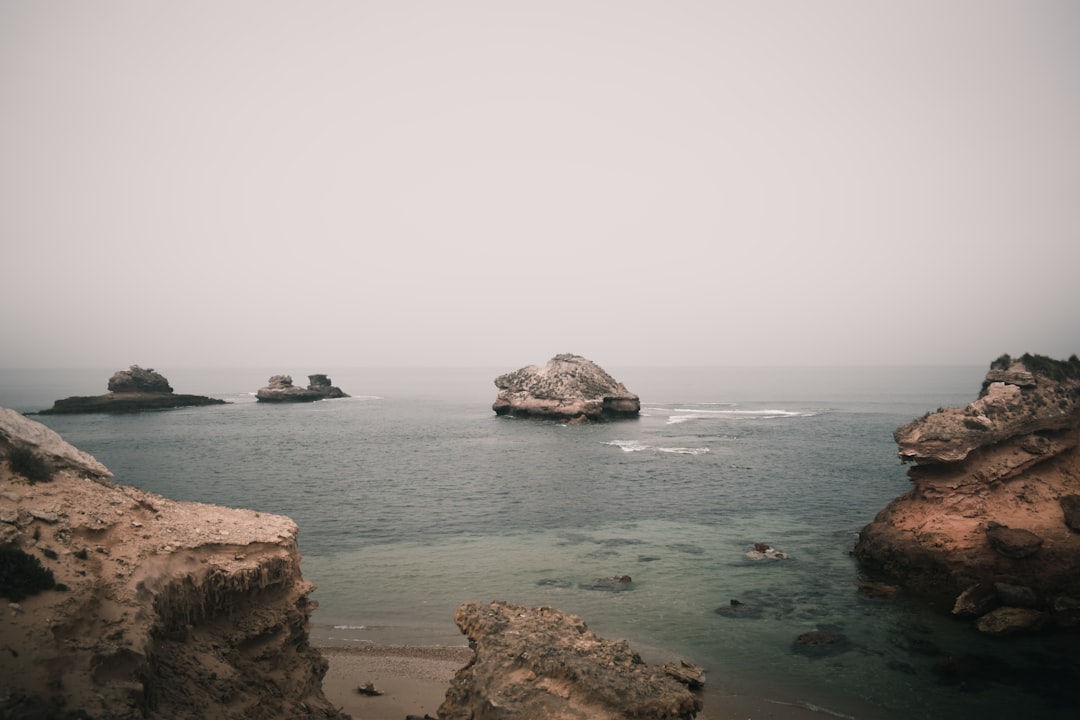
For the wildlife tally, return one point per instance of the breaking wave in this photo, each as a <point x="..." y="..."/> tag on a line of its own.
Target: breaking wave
<point x="638" y="446"/>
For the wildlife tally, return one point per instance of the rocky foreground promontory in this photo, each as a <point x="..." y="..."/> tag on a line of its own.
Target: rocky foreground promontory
<point x="569" y="387"/>
<point x="542" y="664"/>
<point x="992" y="524"/>
<point x="130" y="390"/>
<point x="280" y="389"/>
<point x="122" y="604"/>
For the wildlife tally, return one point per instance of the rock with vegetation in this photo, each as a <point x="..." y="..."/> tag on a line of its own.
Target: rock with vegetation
<point x="569" y="387"/>
<point x="122" y="604"/>
<point x="280" y="389"/>
<point x="130" y="390"/>
<point x="992" y="498"/>
<point x="541" y="664"/>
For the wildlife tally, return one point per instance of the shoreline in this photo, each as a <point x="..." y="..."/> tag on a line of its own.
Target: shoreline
<point x="413" y="680"/>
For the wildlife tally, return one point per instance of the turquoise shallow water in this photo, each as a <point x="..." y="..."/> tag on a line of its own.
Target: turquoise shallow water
<point x="412" y="497"/>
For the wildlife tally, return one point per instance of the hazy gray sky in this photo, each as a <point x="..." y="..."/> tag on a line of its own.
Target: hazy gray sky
<point x="328" y="184"/>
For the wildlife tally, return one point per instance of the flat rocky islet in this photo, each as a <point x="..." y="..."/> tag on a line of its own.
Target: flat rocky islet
<point x="131" y="390"/>
<point x="280" y="389"/>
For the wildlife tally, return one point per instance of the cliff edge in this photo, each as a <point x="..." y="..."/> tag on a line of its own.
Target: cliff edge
<point x="992" y="524"/>
<point x="569" y="387"/>
<point x="123" y="604"/>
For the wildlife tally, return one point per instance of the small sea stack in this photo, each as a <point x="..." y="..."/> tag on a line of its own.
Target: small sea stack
<point x="130" y="390"/>
<point x="569" y="387"/>
<point x="280" y="389"/>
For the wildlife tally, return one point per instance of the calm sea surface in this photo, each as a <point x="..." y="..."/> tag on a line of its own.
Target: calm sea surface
<point x="413" y="497"/>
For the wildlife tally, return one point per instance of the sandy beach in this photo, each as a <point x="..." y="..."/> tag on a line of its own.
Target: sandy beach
<point x="413" y="681"/>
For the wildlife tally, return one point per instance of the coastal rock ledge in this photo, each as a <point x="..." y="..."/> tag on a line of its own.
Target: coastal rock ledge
<point x="990" y="523"/>
<point x="121" y="604"/>
<point x="130" y="390"/>
<point x="569" y="387"/>
<point x="280" y="389"/>
<point x="542" y="664"/>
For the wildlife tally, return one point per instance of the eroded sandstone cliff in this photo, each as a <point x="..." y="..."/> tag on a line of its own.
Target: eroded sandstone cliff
<point x="989" y="525"/>
<point x="543" y="664"/>
<point x="569" y="387"/>
<point x="147" y="607"/>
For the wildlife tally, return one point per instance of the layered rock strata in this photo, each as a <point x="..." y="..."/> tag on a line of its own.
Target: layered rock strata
<point x="280" y="388"/>
<point x="130" y="390"/>
<point x="542" y="664"/>
<point x="145" y="607"/>
<point x="992" y="507"/>
<point x="569" y="387"/>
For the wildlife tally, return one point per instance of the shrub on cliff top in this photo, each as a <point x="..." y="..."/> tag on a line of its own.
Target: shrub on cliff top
<point x="22" y="574"/>
<point x="24" y="461"/>
<point x="1058" y="370"/>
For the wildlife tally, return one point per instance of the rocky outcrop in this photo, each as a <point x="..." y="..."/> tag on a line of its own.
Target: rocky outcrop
<point x="569" y="387"/>
<point x="542" y="664"/>
<point x="145" y="607"/>
<point x="281" y="389"/>
<point x="991" y="504"/>
<point x="130" y="390"/>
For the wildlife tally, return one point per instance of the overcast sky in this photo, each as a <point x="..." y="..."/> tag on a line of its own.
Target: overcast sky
<point x="333" y="184"/>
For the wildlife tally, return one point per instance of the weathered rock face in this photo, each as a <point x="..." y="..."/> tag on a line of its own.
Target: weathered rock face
<point x="137" y="379"/>
<point x="569" y="387"/>
<point x="152" y="608"/>
<point x="541" y="664"/>
<point x="130" y="390"/>
<point x="280" y="388"/>
<point x="992" y="498"/>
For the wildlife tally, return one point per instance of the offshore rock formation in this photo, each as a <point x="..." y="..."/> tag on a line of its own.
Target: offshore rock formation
<point x="541" y="664"/>
<point x="130" y="390"/>
<point x="145" y="607"/>
<point x="569" y="387"/>
<point x="989" y="526"/>
<point x="281" y="389"/>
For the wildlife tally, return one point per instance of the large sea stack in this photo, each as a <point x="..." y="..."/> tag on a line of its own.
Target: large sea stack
<point x="992" y="524"/>
<point x="543" y="664"/>
<point x="119" y="603"/>
<point x="280" y="389"/>
<point x="569" y="387"/>
<point x="130" y="390"/>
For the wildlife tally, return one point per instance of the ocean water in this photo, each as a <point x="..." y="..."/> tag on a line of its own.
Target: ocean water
<point x="413" y="497"/>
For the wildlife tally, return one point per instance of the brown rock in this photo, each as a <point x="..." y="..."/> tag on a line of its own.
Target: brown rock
<point x="161" y="608"/>
<point x="1011" y="621"/>
<point x="130" y="390"/>
<point x="1070" y="508"/>
<point x="987" y="500"/>
<point x="542" y="664"/>
<point x="1013" y="542"/>
<point x="280" y="389"/>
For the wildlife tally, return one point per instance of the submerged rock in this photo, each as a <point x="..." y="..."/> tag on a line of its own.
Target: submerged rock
<point x="280" y="388"/>
<point x="159" y="608"/>
<point x="990" y="501"/>
<point x="569" y="387"/>
<point x="130" y="390"/>
<point x="542" y="664"/>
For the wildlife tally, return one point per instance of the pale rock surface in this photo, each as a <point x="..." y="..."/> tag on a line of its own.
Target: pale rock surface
<point x="542" y="664"/>
<point x="162" y="609"/>
<point x="569" y="387"/>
